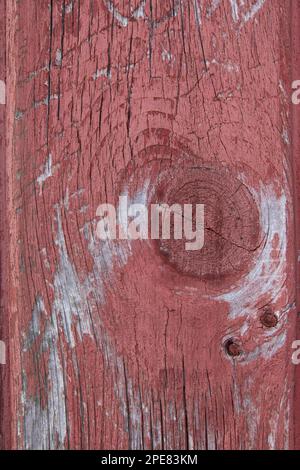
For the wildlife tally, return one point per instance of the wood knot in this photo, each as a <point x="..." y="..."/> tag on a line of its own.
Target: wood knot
<point x="231" y="223"/>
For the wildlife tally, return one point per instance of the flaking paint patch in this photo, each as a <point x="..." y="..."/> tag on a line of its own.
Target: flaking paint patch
<point x="105" y="72"/>
<point x="106" y="255"/>
<point x="47" y="173"/>
<point x="46" y="101"/>
<point x="237" y="8"/>
<point x="253" y="416"/>
<point x="122" y="20"/>
<point x="268" y="349"/>
<point x="197" y="10"/>
<point x="166" y="56"/>
<point x="46" y="428"/>
<point x="234" y="10"/>
<point x="283" y="410"/>
<point x="282" y="89"/>
<point x="139" y="12"/>
<point x="58" y="57"/>
<point x="253" y="10"/>
<point x="212" y="8"/>
<point x="228" y="66"/>
<point x="69" y="8"/>
<point x="285" y="137"/>
<point x="19" y="115"/>
<point x="70" y="302"/>
<point x="34" y="328"/>
<point x="287" y="417"/>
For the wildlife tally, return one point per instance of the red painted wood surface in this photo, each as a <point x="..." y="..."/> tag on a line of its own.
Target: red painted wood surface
<point x="125" y="344"/>
<point x="295" y="113"/>
<point x="4" y="382"/>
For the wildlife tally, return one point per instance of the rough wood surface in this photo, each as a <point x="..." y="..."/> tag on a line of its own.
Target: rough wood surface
<point x="4" y="382"/>
<point x="127" y="344"/>
<point x="295" y="113"/>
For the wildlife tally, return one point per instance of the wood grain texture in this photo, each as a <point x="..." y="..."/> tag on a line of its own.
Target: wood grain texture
<point x="295" y="113"/>
<point x="4" y="333"/>
<point x="125" y="344"/>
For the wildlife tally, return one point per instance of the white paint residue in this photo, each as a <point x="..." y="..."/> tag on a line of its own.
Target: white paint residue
<point x="139" y="12"/>
<point x="46" y="428"/>
<point x="58" y="57"/>
<point x="166" y="56"/>
<point x="141" y="197"/>
<point x="56" y="398"/>
<point x="45" y="101"/>
<point x="287" y="416"/>
<point x="234" y="10"/>
<point x="212" y="8"/>
<point x="35" y="324"/>
<point x="228" y="66"/>
<point x="70" y="303"/>
<point x="105" y="72"/>
<point x="237" y="10"/>
<point x="19" y="115"/>
<point x="282" y="89"/>
<point x="269" y="271"/>
<point x="69" y="8"/>
<point x="122" y="20"/>
<point x="254" y="9"/>
<point x="66" y="200"/>
<point x="271" y="441"/>
<point x="47" y="173"/>
<point x="281" y="411"/>
<point x="252" y="414"/>
<point x="268" y="349"/>
<point x="197" y="10"/>
<point x="285" y="137"/>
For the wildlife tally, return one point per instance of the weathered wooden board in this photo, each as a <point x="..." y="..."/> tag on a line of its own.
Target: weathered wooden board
<point x="141" y="344"/>
<point x="4" y="382"/>
<point x="295" y="113"/>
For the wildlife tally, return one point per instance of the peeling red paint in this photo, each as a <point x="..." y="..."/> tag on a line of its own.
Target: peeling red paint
<point x="295" y="113"/>
<point x="116" y="345"/>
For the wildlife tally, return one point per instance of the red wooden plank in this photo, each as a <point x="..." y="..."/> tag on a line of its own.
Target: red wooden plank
<point x="295" y="112"/>
<point x="143" y="344"/>
<point x="4" y="382"/>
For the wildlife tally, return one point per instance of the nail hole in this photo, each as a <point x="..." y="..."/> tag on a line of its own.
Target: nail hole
<point x="232" y="348"/>
<point x="269" y="319"/>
